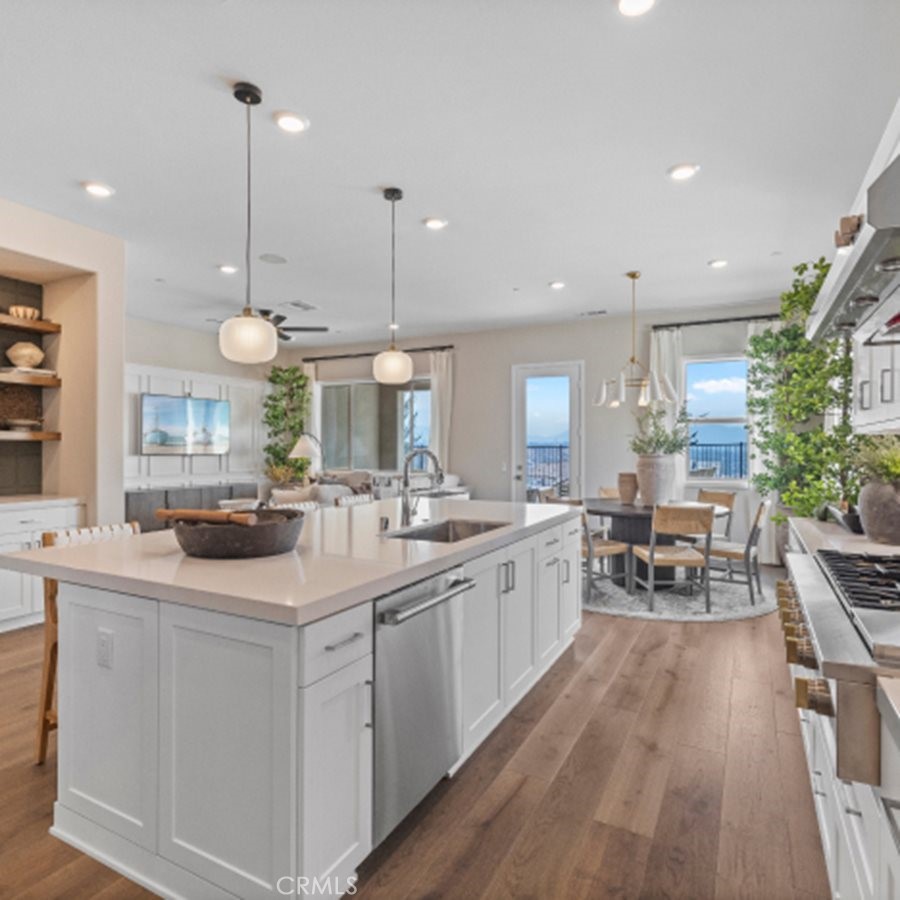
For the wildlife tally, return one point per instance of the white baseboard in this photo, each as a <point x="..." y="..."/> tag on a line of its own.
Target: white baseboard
<point x="22" y="621"/>
<point x="135" y="863"/>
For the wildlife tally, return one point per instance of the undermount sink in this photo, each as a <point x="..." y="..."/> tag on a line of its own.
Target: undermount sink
<point x="449" y="531"/>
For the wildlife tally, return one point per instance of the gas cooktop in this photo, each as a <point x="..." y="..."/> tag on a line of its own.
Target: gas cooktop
<point x="868" y="586"/>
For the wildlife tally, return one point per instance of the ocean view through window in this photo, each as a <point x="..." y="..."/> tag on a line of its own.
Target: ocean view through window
<point x="547" y="433"/>
<point x="716" y="398"/>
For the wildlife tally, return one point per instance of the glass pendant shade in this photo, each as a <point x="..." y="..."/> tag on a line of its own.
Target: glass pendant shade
<point x="248" y="339"/>
<point x="644" y="396"/>
<point x="620" y="389"/>
<point x="392" y="366"/>
<point x="600" y="396"/>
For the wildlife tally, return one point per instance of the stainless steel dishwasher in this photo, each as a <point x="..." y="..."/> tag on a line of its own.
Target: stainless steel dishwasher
<point x="418" y="687"/>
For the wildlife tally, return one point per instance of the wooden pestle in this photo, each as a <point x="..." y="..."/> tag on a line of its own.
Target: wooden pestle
<point x="215" y="516"/>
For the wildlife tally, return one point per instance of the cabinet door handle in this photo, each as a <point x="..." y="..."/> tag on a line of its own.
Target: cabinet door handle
<point x="553" y="562"/>
<point x="551" y="542"/>
<point x="512" y="566"/>
<point x="852" y="812"/>
<point x="356" y="636"/>
<point x="567" y="570"/>
<point x="819" y="793"/>
<point x="504" y="569"/>
<point x="865" y="394"/>
<point x="886" y="396"/>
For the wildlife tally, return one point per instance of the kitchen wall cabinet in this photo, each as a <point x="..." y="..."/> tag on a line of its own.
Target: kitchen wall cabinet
<point x="336" y="773"/>
<point x="876" y="374"/>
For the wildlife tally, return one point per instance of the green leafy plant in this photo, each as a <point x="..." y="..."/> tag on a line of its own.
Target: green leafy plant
<point x="654" y="436"/>
<point x="878" y="459"/>
<point x="794" y="388"/>
<point x="285" y="410"/>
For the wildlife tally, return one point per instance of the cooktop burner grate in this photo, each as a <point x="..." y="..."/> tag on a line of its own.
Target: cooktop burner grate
<point x="863" y="579"/>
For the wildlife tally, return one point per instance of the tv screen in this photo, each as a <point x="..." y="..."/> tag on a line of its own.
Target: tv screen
<point x="184" y="426"/>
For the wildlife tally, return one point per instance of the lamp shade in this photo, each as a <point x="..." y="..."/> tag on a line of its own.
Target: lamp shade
<point x="306" y="448"/>
<point x="600" y="396"/>
<point x="392" y="367"/>
<point x="248" y="339"/>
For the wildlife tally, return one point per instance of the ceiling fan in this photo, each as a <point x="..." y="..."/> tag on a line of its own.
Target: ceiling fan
<point x="285" y="332"/>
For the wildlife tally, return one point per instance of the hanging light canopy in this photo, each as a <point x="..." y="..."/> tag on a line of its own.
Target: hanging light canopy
<point x="393" y="366"/>
<point x="247" y="337"/>
<point x="651" y="387"/>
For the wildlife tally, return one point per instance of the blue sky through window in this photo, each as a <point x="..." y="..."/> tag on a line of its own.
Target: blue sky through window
<point x="547" y="409"/>
<point x="717" y="389"/>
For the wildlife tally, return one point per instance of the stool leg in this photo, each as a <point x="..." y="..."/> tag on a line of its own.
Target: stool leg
<point x="48" y="681"/>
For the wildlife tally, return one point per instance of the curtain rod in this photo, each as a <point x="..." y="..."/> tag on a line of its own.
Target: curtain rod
<point x="309" y="359"/>
<point x="764" y="318"/>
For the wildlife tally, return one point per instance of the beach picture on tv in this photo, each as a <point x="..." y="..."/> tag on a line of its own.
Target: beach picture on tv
<point x="184" y="426"/>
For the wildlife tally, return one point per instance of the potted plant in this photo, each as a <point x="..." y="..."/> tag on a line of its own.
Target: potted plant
<point x="285" y="410"/>
<point x="656" y="446"/>
<point x="878" y="461"/>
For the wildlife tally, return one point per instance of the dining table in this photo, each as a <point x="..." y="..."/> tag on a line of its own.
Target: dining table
<point x="632" y="523"/>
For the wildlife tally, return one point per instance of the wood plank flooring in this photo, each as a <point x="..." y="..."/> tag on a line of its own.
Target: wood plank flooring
<point x="655" y="760"/>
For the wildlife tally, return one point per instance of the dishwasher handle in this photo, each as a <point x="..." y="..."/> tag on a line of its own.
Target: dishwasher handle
<point x="402" y="613"/>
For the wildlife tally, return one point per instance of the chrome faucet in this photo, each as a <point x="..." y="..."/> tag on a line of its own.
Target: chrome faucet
<point x="408" y="510"/>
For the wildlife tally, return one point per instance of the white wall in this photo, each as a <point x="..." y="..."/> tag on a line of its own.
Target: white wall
<point x="244" y="462"/>
<point x="481" y="442"/>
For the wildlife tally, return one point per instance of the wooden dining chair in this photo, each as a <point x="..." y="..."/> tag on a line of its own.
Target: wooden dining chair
<point x="47" y="718"/>
<point x="598" y="548"/>
<point x="733" y="552"/>
<point x="353" y="500"/>
<point x="676" y="521"/>
<point x="720" y="498"/>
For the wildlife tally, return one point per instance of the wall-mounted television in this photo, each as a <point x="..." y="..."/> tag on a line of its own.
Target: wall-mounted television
<point x="184" y="426"/>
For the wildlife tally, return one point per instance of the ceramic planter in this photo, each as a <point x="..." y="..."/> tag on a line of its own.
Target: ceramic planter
<point x="628" y="487"/>
<point x="656" y="477"/>
<point x="879" y="509"/>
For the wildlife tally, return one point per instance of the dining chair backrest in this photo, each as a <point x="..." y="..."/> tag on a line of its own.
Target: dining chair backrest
<point x="683" y="519"/>
<point x="546" y="494"/>
<point x="609" y="493"/>
<point x="353" y="500"/>
<point x="301" y="505"/>
<point x="758" y="520"/>
<point x="720" y="498"/>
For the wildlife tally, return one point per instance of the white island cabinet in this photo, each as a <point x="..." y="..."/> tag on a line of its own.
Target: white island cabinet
<point x="216" y="717"/>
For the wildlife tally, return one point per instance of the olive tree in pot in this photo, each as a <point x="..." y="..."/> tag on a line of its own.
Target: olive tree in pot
<point x="656" y="447"/>
<point x="878" y="460"/>
<point x="285" y="410"/>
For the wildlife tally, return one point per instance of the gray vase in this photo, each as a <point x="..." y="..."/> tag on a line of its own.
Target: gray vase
<point x="656" y="477"/>
<point x="879" y="510"/>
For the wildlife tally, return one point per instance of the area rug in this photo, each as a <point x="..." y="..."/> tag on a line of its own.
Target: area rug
<point x="728" y="601"/>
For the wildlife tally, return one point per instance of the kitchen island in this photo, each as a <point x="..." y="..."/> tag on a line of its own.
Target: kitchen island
<point x="217" y="719"/>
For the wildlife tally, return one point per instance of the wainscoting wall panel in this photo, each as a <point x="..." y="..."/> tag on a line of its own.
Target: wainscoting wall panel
<point x="244" y="462"/>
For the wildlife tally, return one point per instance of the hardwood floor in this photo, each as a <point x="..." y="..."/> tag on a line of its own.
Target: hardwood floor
<point x="655" y="760"/>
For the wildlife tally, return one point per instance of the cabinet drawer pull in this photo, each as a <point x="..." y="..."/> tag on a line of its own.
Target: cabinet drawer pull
<point x="551" y="542"/>
<point x="818" y="793"/>
<point x="886" y="396"/>
<point x="356" y="636"/>
<point x="817" y="772"/>
<point x="28" y="521"/>
<point x="865" y="394"/>
<point x="852" y="812"/>
<point x="553" y="562"/>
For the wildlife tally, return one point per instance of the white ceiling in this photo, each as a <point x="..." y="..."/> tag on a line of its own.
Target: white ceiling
<point x="541" y="129"/>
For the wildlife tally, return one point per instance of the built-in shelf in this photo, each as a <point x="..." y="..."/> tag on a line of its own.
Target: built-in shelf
<point x="32" y="326"/>
<point x="48" y="381"/>
<point x="30" y="436"/>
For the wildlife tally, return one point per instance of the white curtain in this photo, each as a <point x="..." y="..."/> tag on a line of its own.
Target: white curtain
<point x="313" y="422"/>
<point x="768" y="545"/>
<point x="441" y="365"/>
<point x="667" y="358"/>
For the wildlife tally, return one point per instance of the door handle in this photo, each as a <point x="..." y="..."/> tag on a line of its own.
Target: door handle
<point x="865" y="394"/>
<point x="568" y="572"/>
<point x="518" y="477"/>
<point x="512" y="564"/>
<point x="886" y="396"/>
<point x="504" y="568"/>
<point x="356" y="636"/>
<point x="402" y="613"/>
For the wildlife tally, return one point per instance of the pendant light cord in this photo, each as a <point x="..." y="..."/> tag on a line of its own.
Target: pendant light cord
<point x="247" y="247"/>
<point x="633" y="319"/>
<point x="393" y="268"/>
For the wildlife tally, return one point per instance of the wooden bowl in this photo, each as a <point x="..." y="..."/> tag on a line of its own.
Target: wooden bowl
<point x="276" y="531"/>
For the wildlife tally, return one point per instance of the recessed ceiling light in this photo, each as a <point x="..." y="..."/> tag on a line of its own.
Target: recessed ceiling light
<point x="557" y="285"/>
<point x="228" y="270"/>
<point x="717" y="263"/>
<point x="160" y="280"/>
<point x="635" y="7"/>
<point x="273" y="258"/>
<point x="435" y="224"/>
<point x="98" y="189"/>
<point x="393" y="326"/>
<point x="291" y="122"/>
<point x="682" y="171"/>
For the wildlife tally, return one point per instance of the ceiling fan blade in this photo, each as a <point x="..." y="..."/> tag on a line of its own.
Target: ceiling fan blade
<point x="276" y="320"/>
<point x="319" y="328"/>
<point x="265" y="313"/>
<point x="282" y="336"/>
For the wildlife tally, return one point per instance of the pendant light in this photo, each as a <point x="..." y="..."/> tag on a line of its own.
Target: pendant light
<point x="393" y="366"/>
<point x="652" y="388"/>
<point x="247" y="337"/>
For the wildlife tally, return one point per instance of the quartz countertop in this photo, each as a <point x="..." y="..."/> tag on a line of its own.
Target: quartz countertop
<point x="22" y="501"/>
<point x="340" y="562"/>
<point x="817" y="535"/>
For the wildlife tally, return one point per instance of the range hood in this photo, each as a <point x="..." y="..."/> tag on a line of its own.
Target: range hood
<point x="865" y="274"/>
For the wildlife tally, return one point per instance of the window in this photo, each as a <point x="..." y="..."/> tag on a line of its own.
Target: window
<point x="372" y="426"/>
<point x="716" y="396"/>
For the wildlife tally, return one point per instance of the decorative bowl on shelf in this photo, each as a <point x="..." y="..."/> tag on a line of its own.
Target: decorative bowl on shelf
<point x="22" y="424"/>
<point x="25" y="312"/>
<point x="25" y="355"/>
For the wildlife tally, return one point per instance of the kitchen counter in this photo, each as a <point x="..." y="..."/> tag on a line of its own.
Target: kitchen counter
<point x="14" y="502"/>
<point x="341" y="561"/>
<point x="816" y="535"/>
